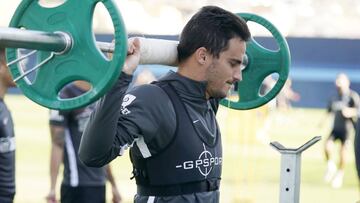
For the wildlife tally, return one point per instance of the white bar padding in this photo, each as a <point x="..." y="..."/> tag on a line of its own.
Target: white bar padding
<point x="158" y="51"/>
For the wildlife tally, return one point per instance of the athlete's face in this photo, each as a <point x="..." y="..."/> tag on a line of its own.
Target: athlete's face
<point x="342" y="83"/>
<point x="224" y="71"/>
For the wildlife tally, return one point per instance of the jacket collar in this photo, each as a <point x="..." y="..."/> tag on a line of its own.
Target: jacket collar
<point x="186" y="86"/>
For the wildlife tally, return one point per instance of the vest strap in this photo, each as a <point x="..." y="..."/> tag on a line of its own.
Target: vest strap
<point x="180" y="189"/>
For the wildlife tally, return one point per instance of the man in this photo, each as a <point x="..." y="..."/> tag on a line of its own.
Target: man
<point x="7" y="137"/>
<point x="347" y="100"/>
<point x="171" y="125"/>
<point x="286" y="96"/>
<point x="353" y="112"/>
<point x="357" y="144"/>
<point x="80" y="183"/>
<point x="144" y="77"/>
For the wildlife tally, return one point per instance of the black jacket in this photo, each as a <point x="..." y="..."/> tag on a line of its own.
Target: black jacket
<point x="144" y="119"/>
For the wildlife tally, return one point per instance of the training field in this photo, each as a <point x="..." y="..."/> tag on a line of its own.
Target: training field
<point x="251" y="167"/>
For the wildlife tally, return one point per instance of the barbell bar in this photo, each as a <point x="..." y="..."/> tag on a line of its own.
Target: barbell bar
<point x="37" y="40"/>
<point x="60" y="42"/>
<point x="69" y="52"/>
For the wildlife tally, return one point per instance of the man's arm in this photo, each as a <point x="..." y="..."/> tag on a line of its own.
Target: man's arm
<point x="351" y="111"/>
<point x="56" y="158"/>
<point x="99" y="144"/>
<point x="115" y="191"/>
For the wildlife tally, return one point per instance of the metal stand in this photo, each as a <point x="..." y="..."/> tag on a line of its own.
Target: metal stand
<point x="290" y="170"/>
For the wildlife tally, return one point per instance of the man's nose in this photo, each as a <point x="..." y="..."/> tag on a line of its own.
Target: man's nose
<point x="237" y="75"/>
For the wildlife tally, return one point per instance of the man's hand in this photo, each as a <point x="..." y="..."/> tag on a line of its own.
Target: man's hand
<point x="116" y="195"/>
<point x="349" y="112"/>
<point x="51" y="197"/>
<point x="133" y="56"/>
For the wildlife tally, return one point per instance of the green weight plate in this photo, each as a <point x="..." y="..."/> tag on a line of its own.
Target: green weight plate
<point x="262" y="62"/>
<point x="84" y="61"/>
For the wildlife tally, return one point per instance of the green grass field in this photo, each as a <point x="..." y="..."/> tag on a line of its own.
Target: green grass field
<point x="250" y="168"/>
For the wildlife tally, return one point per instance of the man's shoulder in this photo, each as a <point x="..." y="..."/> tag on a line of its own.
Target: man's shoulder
<point x="353" y="93"/>
<point x="150" y="92"/>
<point x="147" y="99"/>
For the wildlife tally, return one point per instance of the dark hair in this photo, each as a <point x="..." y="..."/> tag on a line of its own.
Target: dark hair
<point x="211" y="27"/>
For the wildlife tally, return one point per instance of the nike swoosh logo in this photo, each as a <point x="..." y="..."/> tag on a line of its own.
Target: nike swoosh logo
<point x="195" y="121"/>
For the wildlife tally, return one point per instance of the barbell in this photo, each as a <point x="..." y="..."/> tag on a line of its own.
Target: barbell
<point x="67" y="51"/>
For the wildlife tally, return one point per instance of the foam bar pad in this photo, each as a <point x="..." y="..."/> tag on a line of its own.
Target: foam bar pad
<point x="158" y="51"/>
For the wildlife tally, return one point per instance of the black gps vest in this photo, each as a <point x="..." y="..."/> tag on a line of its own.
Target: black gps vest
<point x="186" y="165"/>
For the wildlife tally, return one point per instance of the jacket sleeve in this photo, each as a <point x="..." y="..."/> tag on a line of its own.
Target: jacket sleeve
<point x="142" y="118"/>
<point x="98" y="145"/>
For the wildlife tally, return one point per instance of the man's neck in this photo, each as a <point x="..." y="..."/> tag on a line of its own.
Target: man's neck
<point x="191" y="71"/>
<point x="3" y="90"/>
<point x="344" y="92"/>
<point x="194" y="73"/>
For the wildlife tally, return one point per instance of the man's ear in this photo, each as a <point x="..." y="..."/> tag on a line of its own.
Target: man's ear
<point x="202" y="55"/>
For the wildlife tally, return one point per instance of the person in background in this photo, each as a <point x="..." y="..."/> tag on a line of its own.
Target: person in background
<point x="350" y="113"/>
<point x="340" y="106"/>
<point x="144" y="77"/>
<point x="7" y="137"/>
<point x="81" y="184"/>
<point x="265" y="113"/>
<point x="353" y="112"/>
<point x="286" y="96"/>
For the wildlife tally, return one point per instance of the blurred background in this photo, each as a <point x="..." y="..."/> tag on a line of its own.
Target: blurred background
<point x="324" y="40"/>
<point x="306" y="18"/>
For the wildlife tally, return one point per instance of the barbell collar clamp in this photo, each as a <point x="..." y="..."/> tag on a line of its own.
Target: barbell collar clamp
<point x="68" y="42"/>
